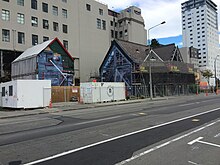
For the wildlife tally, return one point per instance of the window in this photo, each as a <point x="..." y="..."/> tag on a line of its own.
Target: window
<point x="88" y="7"/>
<point x="126" y="32"/>
<point x="10" y="90"/>
<point x="45" y="7"/>
<point x="6" y="0"/>
<point x="45" y="38"/>
<point x="5" y="15"/>
<point x="55" y="26"/>
<point x="120" y="34"/>
<point x="34" y="21"/>
<point x="55" y="10"/>
<point x="21" y="38"/>
<point x="20" y="2"/>
<point x="45" y="24"/>
<point x="65" y="30"/>
<point x="64" y="13"/>
<point x="103" y="24"/>
<point x="98" y="23"/>
<point x="65" y="44"/>
<point x="100" y="11"/>
<point x="111" y="23"/>
<point x="112" y="33"/>
<point x="34" y="39"/>
<point x="5" y="35"/>
<point x="116" y="34"/>
<point x="65" y="1"/>
<point x="3" y="91"/>
<point x="34" y="4"/>
<point x="20" y="18"/>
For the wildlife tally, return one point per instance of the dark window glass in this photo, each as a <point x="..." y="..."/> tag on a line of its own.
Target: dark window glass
<point x="65" y="29"/>
<point x="45" y="7"/>
<point x="34" y="4"/>
<point x="21" y="38"/>
<point x="3" y="91"/>
<point x="65" y="44"/>
<point x="10" y="90"/>
<point x="55" y="26"/>
<point x="45" y="38"/>
<point x="88" y="7"/>
<point x="45" y="24"/>
<point x="34" y="39"/>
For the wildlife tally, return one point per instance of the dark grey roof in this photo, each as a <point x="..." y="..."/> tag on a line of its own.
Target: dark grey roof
<point x="136" y="52"/>
<point x="165" y="52"/>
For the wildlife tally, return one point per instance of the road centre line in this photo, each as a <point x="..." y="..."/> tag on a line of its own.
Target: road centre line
<point x="182" y="105"/>
<point x="124" y="135"/>
<point x="207" y="143"/>
<point x="97" y="120"/>
<point x="193" y="163"/>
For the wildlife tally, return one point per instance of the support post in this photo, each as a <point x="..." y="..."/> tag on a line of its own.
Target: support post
<point x="1" y="63"/>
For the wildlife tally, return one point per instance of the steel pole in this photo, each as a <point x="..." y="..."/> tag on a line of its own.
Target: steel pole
<point x="150" y="81"/>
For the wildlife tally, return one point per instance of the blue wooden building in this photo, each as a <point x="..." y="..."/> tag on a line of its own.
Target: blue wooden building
<point x="46" y="61"/>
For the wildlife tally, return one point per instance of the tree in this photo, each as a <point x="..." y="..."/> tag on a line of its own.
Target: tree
<point x="155" y="43"/>
<point x="207" y="74"/>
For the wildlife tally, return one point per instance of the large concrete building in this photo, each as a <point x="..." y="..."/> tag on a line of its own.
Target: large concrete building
<point x="86" y="28"/>
<point x="200" y="30"/>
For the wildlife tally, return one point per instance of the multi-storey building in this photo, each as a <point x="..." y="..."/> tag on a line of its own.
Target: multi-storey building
<point x="200" y="30"/>
<point x="86" y="28"/>
<point x="190" y="55"/>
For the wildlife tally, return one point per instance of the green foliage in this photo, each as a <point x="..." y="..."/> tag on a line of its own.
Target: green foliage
<point x="155" y="43"/>
<point x="207" y="74"/>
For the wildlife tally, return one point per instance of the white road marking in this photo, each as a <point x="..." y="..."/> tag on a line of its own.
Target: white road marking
<point x="193" y="163"/>
<point x="218" y="135"/>
<point x="194" y="141"/>
<point x="198" y="140"/>
<point x="207" y="143"/>
<point x="122" y="136"/>
<point x="92" y="121"/>
<point x="186" y="104"/>
<point x="164" y="144"/>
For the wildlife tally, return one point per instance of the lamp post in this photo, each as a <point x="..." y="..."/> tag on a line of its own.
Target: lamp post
<point x="148" y="32"/>
<point x="150" y="78"/>
<point x="152" y="59"/>
<point x="216" y="81"/>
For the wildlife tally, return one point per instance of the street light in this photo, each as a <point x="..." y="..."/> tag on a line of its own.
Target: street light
<point x="216" y="81"/>
<point x="148" y="32"/>
<point x="150" y="78"/>
<point x="152" y="59"/>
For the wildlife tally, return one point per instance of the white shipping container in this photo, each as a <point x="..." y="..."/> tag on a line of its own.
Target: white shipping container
<point x="93" y="92"/>
<point x="26" y="94"/>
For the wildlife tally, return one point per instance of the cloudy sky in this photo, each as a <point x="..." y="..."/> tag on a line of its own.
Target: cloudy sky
<point x="156" y="11"/>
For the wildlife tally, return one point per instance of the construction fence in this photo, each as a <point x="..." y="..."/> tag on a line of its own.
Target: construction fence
<point x="65" y="93"/>
<point x="141" y="91"/>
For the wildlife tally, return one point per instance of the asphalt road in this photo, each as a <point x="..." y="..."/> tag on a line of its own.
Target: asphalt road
<point x="106" y="135"/>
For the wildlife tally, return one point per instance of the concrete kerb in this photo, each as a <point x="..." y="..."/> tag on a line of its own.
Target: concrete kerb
<point x="60" y="107"/>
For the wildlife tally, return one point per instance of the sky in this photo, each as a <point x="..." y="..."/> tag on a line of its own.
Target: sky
<point x="157" y="11"/>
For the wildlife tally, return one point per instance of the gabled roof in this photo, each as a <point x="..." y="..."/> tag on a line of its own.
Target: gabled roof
<point x="166" y="52"/>
<point x="37" y="49"/>
<point x="136" y="52"/>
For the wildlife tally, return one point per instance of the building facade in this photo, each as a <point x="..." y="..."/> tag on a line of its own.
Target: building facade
<point x="85" y="27"/>
<point x="200" y="30"/>
<point x="190" y="55"/>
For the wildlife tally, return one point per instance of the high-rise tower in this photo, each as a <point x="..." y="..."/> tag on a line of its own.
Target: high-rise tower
<point x="200" y="30"/>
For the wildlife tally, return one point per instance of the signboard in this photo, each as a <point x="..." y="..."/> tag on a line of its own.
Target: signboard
<point x="203" y="85"/>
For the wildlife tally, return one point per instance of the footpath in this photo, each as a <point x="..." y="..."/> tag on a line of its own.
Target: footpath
<point x="70" y="106"/>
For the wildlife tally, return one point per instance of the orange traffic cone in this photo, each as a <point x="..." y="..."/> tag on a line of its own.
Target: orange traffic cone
<point x="50" y="105"/>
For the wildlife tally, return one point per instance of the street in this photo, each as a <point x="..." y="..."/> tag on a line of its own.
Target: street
<point x="183" y="130"/>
